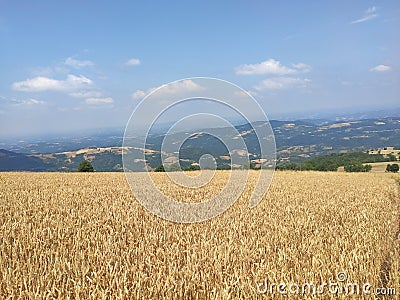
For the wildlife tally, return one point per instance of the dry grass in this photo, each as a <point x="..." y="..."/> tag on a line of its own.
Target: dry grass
<point x="84" y="236"/>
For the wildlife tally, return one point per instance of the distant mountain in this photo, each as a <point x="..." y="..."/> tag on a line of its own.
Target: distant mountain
<point x="103" y="159"/>
<point x="295" y="140"/>
<point x="393" y="112"/>
<point x="11" y="161"/>
<point x="348" y="115"/>
<point x="63" y="143"/>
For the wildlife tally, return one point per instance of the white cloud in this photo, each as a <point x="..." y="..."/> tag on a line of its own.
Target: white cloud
<point x="76" y="82"/>
<point x="32" y="102"/>
<point x="78" y="63"/>
<point x="366" y="18"/>
<point x="133" y="62"/>
<point x="181" y="87"/>
<point x="139" y="94"/>
<point x="369" y="14"/>
<point x="86" y="94"/>
<point x="302" y="68"/>
<point x="173" y="88"/>
<point x="381" y="68"/>
<point x="273" y="67"/>
<point x="37" y="84"/>
<point x="107" y="100"/>
<point x="282" y="83"/>
<point x="17" y="102"/>
<point x="61" y="68"/>
<point x="41" y="84"/>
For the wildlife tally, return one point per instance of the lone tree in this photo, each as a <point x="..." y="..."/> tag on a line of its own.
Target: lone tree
<point x="392" y="168"/>
<point x="160" y="168"/>
<point x="85" y="166"/>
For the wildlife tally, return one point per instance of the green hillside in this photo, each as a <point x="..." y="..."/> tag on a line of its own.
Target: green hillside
<point x="333" y="161"/>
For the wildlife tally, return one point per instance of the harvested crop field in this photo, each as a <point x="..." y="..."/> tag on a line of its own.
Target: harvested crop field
<point x="84" y="236"/>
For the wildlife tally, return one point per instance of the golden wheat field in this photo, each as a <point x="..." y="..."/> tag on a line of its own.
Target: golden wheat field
<point x="84" y="236"/>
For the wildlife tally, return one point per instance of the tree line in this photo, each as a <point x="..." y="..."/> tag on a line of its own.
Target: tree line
<point x="352" y="162"/>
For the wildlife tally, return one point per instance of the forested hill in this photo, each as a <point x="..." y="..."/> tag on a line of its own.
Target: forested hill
<point x="333" y="161"/>
<point x="296" y="141"/>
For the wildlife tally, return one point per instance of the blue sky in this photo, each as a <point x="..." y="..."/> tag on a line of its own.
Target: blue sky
<point x="71" y="65"/>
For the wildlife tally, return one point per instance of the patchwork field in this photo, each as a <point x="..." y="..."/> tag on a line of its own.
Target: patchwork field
<point x="84" y="236"/>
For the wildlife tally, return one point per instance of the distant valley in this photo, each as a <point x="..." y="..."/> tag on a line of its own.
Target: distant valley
<point x="295" y="140"/>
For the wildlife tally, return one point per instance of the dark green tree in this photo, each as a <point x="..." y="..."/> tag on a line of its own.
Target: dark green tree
<point x="85" y="166"/>
<point x="160" y="168"/>
<point x="192" y="168"/>
<point x="357" y="168"/>
<point x="392" y="168"/>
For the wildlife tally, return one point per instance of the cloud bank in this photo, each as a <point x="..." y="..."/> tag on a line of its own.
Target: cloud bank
<point x="271" y="67"/>
<point x="41" y="84"/>
<point x="170" y="89"/>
